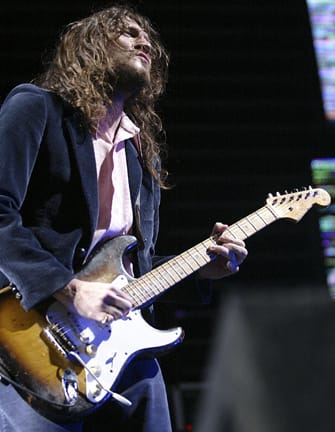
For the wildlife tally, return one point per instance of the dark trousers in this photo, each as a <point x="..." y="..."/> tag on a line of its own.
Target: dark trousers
<point x="142" y="383"/>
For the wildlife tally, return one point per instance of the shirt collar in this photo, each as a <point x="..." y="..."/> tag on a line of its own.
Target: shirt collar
<point x="126" y="130"/>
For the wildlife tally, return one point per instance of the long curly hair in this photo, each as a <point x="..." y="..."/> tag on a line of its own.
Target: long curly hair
<point x="82" y="72"/>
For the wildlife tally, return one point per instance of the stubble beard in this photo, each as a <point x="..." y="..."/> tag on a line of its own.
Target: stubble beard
<point x="131" y="77"/>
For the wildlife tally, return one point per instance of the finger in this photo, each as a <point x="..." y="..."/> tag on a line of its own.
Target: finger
<point x="232" y="267"/>
<point x="241" y="254"/>
<point x="237" y="248"/>
<point x="116" y="313"/>
<point x="106" y="319"/>
<point x="227" y="239"/>
<point x="219" y="228"/>
<point x="118" y="303"/>
<point x="119" y="295"/>
<point x="222" y="250"/>
<point x="234" y="255"/>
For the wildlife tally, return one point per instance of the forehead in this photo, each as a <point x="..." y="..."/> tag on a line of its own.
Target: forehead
<point x="132" y="23"/>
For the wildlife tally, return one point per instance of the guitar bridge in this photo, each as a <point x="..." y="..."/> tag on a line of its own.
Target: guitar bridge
<point x="59" y="340"/>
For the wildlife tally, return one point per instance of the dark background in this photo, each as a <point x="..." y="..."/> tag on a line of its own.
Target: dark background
<point x="244" y="117"/>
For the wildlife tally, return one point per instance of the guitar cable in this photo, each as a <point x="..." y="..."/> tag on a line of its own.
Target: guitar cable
<point x="6" y="381"/>
<point x="116" y="396"/>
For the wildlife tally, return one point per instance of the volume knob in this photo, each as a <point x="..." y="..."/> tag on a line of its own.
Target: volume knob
<point x="91" y="350"/>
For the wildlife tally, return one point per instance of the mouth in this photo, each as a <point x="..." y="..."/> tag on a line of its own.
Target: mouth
<point x="144" y="57"/>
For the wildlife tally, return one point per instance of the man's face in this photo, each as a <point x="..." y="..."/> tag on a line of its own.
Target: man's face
<point x="132" y="59"/>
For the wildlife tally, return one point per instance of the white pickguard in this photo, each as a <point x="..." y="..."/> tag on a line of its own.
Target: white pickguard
<point x="107" y="349"/>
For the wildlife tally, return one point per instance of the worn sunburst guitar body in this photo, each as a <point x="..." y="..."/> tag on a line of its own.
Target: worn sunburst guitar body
<point x="66" y="365"/>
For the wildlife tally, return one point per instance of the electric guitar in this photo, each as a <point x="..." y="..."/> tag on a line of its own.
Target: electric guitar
<point x="65" y="365"/>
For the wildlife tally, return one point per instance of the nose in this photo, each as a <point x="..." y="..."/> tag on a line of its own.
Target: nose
<point x="142" y="43"/>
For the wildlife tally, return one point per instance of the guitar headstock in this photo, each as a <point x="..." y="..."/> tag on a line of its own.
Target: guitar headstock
<point x="296" y="204"/>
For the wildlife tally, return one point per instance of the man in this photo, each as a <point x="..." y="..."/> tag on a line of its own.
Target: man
<point x="80" y="163"/>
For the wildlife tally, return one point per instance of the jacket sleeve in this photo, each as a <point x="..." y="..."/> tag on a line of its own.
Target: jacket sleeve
<point x="34" y="271"/>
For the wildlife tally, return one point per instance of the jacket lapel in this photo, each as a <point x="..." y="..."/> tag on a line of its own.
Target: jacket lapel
<point x="84" y="156"/>
<point x="134" y="172"/>
<point x="135" y="178"/>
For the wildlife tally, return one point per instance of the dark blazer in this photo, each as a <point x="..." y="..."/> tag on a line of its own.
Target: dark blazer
<point x="48" y="194"/>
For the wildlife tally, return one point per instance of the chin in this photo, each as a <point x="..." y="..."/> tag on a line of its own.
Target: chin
<point x="133" y="79"/>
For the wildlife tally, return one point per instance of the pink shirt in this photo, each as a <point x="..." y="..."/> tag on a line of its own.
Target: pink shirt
<point x="115" y="210"/>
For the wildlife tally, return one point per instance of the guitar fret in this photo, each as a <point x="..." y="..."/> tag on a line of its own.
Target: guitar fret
<point x="159" y="280"/>
<point x="257" y="221"/>
<point x="249" y="226"/>
<point x="178" y="269"/>
<point x="246" y="227"/>
<point x="156" y="283"/>
<point x="163" y="272"/>
<point x="268" y="216"/>
<point x="169" y="267"/>
<point x="135" y="301"/>
<point x="185" y="262"/>
<point x="191" y="260"/>
<point x="135" y="290"/>
<point x="250" y="222"/>
<point x="65" y="329"/>
<point x="149" y="286"/>
<point x="166" y="278"/>
<point x="200" y="257"/>
<point x="244" y="232"/>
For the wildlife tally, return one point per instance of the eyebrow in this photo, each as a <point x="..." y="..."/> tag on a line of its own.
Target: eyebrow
<point x="131" y="23"/>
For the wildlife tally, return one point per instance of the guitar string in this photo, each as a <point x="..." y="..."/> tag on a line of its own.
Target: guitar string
<point x="7" y="380"/>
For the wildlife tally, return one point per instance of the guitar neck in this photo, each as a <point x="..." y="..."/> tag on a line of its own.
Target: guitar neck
<point x="157" y="281"/>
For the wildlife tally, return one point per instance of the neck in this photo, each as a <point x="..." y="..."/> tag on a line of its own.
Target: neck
<point x="115" y="113"/>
